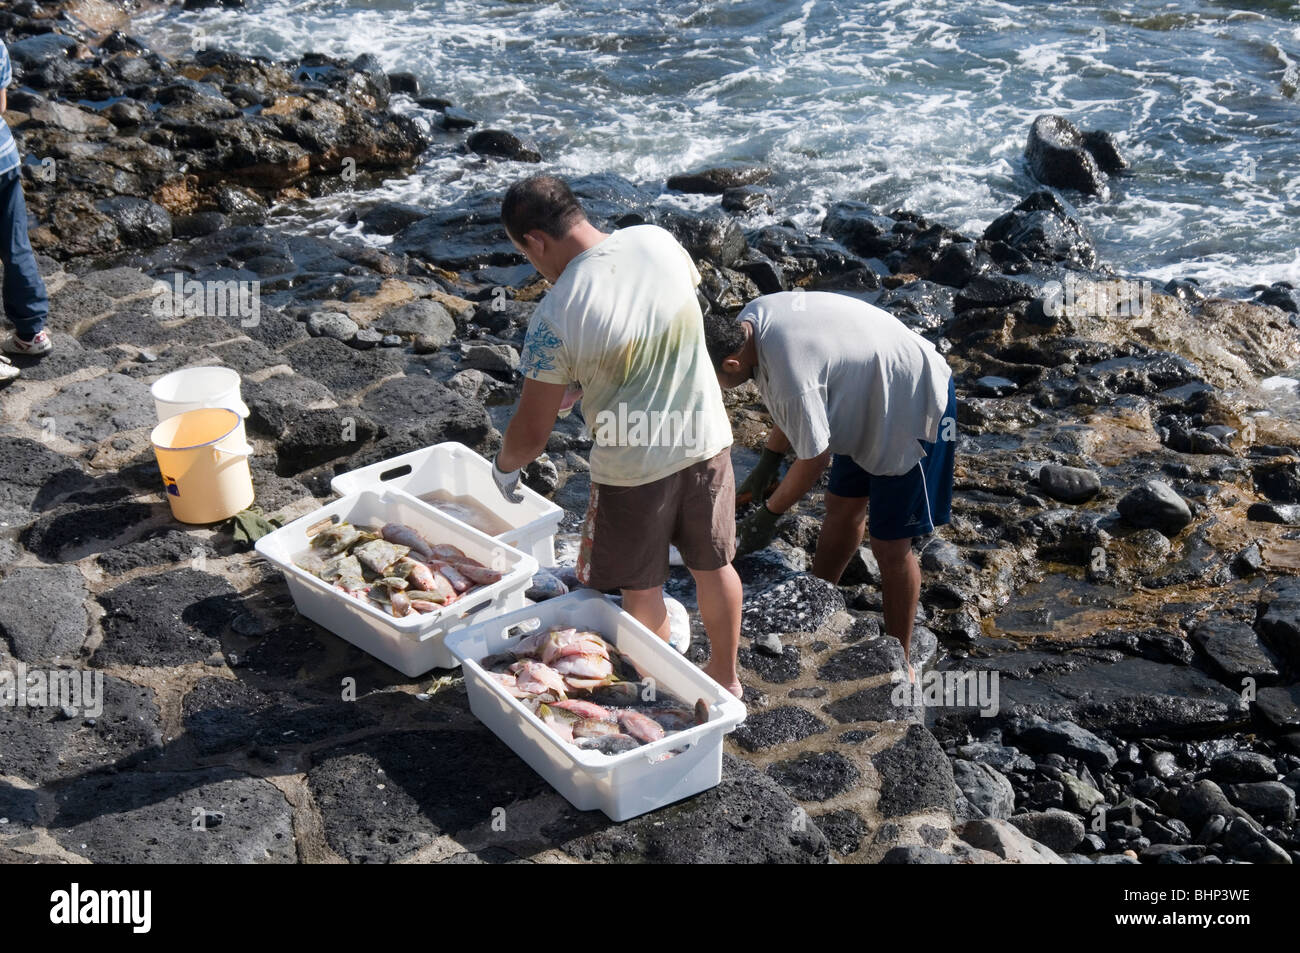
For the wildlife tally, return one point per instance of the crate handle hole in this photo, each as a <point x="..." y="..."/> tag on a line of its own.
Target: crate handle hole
<point x="396" y="472"/>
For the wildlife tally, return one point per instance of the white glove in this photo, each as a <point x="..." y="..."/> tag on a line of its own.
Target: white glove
<point x="507" y="483"/>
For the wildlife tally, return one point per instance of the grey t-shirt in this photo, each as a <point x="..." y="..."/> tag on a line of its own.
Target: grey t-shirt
<point x="839" y="373"/>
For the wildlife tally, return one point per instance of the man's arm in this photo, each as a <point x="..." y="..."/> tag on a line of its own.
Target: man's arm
<point x="531" y="425"/>
<point x="799" y="479"/>
<point x="4" y="100"/>
<point x="777" y="442"/>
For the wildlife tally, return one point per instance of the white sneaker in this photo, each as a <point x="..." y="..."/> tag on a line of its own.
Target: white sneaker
<point x="38" y="345"/>
<point x="7" y="370"/>
<point x="679" y="625"/>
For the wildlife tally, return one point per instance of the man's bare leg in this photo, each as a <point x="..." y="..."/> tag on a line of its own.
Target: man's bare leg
<point x="719" y="594"/>
<point x="841" y="535"/>
<point x="900" y="589"/>
<point x="647" y="607"/>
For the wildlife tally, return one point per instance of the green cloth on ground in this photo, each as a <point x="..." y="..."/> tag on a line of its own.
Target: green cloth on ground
<point x="250" y="525"/>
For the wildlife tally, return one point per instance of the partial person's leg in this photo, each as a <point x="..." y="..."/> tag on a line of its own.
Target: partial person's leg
<point x="847" y="493"/>
<point x="719" y="594"/>
<point x="900" y="589"/>
<point x="25" y="301"/>
<point x="842" y="531"/>
<point x="704" y="532"/>
<point x="647" y="607"/>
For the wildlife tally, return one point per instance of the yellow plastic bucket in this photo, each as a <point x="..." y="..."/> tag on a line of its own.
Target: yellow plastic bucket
<point x="203" y="457"/>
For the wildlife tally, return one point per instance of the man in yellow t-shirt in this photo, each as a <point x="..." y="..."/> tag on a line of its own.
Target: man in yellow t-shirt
<point x="622" y="325"/>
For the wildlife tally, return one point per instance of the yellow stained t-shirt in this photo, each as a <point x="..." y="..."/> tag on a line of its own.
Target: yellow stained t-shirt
<point x="623" y="322"/>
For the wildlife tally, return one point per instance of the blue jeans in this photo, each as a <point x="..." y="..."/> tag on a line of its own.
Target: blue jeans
<point x="25" y="300"/>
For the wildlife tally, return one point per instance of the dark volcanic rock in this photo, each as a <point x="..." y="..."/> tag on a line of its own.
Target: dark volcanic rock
<point x="745" y="819"/>
<point x="1270" y="802"/>
<point x="98" y="408"/>
<point x="1280" y="482"/>
<point x="40" y="743"/>
<point x="208" y="816"/>
<point x="1279" y="622"/>
<point x="986" y="790"/>
<point x="816" y="776"/>
<point x="44" y="616"/>
<point x="915" y="775"/>
<point x="1059" y="830"/>
<point x="777" y="726"/>
<point x="777" y="669"/>
<point x="312" y="437"/>
<point x="717" y="180"/>
<point x="888" y="702"/>
<point x="433" y="407"/>
<point x="1280" y="706"/>
<point x="1058" y="155"/>
<point x="168" y="619"/>
<point x="503" y="145"/>
<point x="1155" y="505"/>
<point x="1235" y="650"/>
<point x="342" y="369"/>
<point x="33" y="475"/>
<point x="223" y="715"/>
<point x="1069" y="484"/>
<point x="712" y="236"/>
<point x="1042" y="227"/>
<point x="801" y="603"/>
<point x="368" y="825"/>
<point x="139" y="222"/>
<point x="164" y="546"/>
<point x="1064" y="738"/>
<point x="74" y="530"/>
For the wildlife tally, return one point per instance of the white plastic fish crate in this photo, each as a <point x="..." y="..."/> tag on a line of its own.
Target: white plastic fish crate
<point x="624" y="785"/>
<point x="456" y="469"/>
<point x="415" y="643"/>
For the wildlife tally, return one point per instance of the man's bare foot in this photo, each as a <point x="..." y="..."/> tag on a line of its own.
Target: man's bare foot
<point x="727" y="681"/>
<point x="911" y="674"/>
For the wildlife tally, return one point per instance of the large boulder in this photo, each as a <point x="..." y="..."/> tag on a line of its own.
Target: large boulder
<point x="1062" y="156"/>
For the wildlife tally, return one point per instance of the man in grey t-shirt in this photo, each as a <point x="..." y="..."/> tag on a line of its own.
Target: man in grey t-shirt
<point x="851" y="387"/>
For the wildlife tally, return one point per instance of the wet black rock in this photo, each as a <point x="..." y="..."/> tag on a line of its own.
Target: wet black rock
<point x="1156" y="505"/>
<point x="1064" y="738"/>
<point x="1280" y="482"/>
<point x="1279" y="620"/>
<point x="1041" y="227"/>
<point x="1235" y="651"/>
<point x="1245" y="842"/>
<point x="464" y="236"/>
<point x="1287" y="514"/>
<point x="712" y="236"/>
<point x="921" y="305"/>
<point x="915" y="775"/>
<point x="743" y="200"/>
<point x="389" y="218"/>
<point x="501" y="144"/>
<point x="1060" y="155"/>
<point x="168" y="619"/>
<point x="747" y="818"/>
<point x="140" y="223"/>
<point x="1280" y="706"/>
<point x="1280" y="295"/>
<point x="815" y="776"/>
<point x="149" y="817"/>
<point x="717" y="180"/>
<point x="1069" y="484"/>
<point x="1239" y="766"/>
<point x="1270" y="802"/>
<point x="44" y="616"/>
<point x="777" y="726"/>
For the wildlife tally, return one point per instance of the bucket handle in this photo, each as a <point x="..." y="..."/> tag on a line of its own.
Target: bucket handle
<point x="241" y="451"/>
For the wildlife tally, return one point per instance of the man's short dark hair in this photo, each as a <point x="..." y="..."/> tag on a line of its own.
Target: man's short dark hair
<point x="540" y="202"/>
<point x="723" y="336"/>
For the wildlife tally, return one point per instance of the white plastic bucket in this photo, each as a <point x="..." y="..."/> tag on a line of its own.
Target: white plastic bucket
<point x="203" y="457"/>
<point x="194" y="388"/>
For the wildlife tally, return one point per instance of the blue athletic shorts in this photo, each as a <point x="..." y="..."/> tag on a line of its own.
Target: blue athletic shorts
<point x="916" y="502"/>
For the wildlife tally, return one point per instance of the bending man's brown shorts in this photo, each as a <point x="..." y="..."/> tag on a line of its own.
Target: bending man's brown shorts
<point x="627" y="529"/>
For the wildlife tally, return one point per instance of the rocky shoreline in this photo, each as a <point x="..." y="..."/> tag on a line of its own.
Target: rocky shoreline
<point x="1123" y="551"/>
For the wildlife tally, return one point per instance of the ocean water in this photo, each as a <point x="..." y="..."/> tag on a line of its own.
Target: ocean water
<point x="916" y="104"/>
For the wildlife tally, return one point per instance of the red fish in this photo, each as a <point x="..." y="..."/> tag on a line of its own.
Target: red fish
<point x="535" y="678"/>
<point x="586" y="709"/>
<point x="639" y="726"/>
